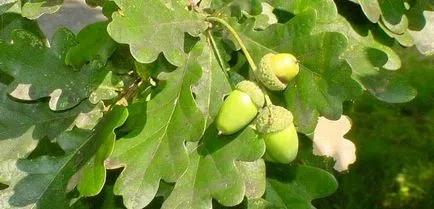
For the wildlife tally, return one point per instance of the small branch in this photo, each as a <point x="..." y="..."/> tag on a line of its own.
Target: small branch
<point x="244" y="49"/>
<point x="128" y="94"/>
<point x="216" y="51"/>
<point x="268" y="101"/>
<point x="237" y="38"/>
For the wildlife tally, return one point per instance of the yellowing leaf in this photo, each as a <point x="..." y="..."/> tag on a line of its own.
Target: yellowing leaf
<point x="329" y="141"/>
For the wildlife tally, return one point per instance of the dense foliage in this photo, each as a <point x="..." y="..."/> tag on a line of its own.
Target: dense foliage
<point x="127" y="106"/>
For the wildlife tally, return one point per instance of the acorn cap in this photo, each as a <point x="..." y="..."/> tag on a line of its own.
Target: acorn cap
<point x="273" y="119"/>
<point x="266" y="75"/>
<point x="252" y="89"/>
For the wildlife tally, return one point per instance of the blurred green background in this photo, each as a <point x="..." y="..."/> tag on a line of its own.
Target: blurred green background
<point x="395" y="147"/>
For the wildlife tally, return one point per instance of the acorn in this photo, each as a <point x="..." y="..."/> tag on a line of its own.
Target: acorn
<point x="276" y="70"/>
<point x="240" y="107"/>
<point x="276" y="126"/>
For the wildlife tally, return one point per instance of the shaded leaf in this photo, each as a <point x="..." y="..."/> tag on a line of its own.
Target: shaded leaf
<point x="93" y="43"/>
<point x="297" y="186"/>
<point x="32" y="64"/>
<point x="10" y="22"/>
<point x="233" y="7"/>
<point x="94" y="174"/>
<point x="214" y="173"/>
<point x="325" y="9"/>
<point x="106" y="89"/>
<point x="364" y="53"/>
<point x="95" y="3"/>
<point x="409" y="22"/>
<point x="42" y="183"/>
<point x="266" y="18"/>
<point x="23" y="124"/>
<point x="367" y="63"/>
<point x="424" y="38"/>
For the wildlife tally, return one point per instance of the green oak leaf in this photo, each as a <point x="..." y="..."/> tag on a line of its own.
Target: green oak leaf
<point x="367" y="57"/>
<point x="151" y="28"/>
<point x="11" y="21"/>
<point x="421" y="26"/>
<point x="371" y="9"/>
<point x="95" y="3"/>
<point x="213" y="171"/>
<point x="404" y="38"/>
<point x="233" y="7"/>
<point x="155" y="149"/>
<point x="93" y="176"/>
<point x="41" y="182"/>
<point x="31" y="64"/>
<point x="324" y="81"/>
<point x="266" y="18"/>
<point x="259" y="204"/>
<point x="33" y="9"/>
<point x="62" y="41"/>
<point x="254" y="177"/>
<point x="410" y="23"/>
<point x="22" y="125"/>
<point x="368" y="63"/>
<point x="326" y="9"/>
<point x="108" y="8"/>
<point x="213" y="84"/>
<point x="94" y="43"/>
<point x="296" y="186"/>
<point x="10" y="6"/>
<point x="107" y="89"/>
<point x="391" y="11"/>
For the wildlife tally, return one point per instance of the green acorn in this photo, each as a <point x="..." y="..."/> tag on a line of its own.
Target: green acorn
<point x="278" y="131"/>
<point x="276" y="70"/>
<point x="240" y="107"/>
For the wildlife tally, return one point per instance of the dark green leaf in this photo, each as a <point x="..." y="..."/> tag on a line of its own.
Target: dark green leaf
<point x="95" y="3"/>
<point x="10" y="22"/>
<point x="32" y="64"/>
<point x="94" y="174"/>
<point x="23" y="124"/>
<point x="296" y="186"/>
<point x="41" y="183"/>
<point x="213" y="171"/>
<point x="366" y="55"/>
<point x="93" y="43"/>
<point x="409" y="22"/>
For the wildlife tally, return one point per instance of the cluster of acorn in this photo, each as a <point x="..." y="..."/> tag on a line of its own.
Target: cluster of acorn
<point x="275" y="123"/>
